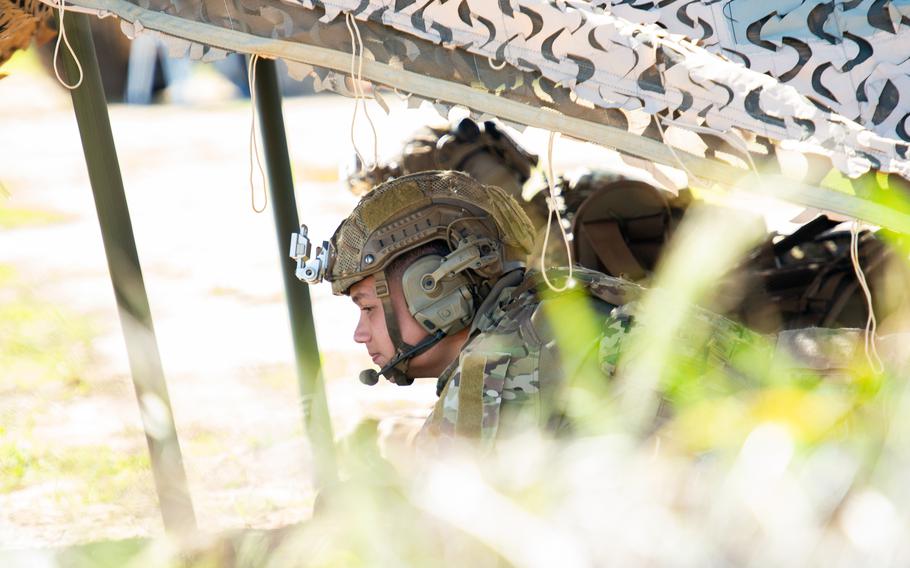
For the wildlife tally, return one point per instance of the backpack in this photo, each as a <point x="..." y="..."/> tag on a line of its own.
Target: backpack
<point x="806" y="279"/>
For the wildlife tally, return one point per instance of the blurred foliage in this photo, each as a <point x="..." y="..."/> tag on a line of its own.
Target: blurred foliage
<point x="14" y="218"/>
<point x="42" y="345"/>
<point x="102" y="473"/>
<point x="23" y="61"/>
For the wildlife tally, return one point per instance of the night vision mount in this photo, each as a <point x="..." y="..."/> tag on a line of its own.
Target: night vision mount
<point x="311" y="266"/>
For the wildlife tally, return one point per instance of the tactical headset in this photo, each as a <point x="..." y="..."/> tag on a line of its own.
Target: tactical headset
<point x="440" y="296"/>
<point x="437" y="290"/>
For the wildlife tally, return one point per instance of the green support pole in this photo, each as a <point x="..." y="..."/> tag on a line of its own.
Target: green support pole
<point x="126" y="276"/>
<point x="303" y="332"/>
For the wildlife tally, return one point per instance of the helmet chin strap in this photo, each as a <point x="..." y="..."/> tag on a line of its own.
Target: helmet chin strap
<point x="396" y="369"/>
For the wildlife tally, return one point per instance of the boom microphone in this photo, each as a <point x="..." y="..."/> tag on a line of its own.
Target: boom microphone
<point x="369" y="377"/>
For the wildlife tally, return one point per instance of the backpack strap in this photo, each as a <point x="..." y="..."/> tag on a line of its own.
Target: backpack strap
<point x="605" y="243"/>
<point x="620" y="228"/>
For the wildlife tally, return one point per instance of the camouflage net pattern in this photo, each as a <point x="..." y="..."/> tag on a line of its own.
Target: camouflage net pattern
<point x="632" y="86"/>
<point x="401" y="202"/>
<point x="614" y="63"/>
<point x="852" y="57"/>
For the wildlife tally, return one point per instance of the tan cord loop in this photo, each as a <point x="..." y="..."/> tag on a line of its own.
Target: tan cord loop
<point x="254" y="146"/>
<point x="61" y="35"/>
<point x="871" y="321"/>
<point x="673" y="150"/>
<point x="551" y="205"/>
<point x="359" y="96"/>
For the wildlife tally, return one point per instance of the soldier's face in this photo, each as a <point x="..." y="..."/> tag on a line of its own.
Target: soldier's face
<point x="371" y="328"/>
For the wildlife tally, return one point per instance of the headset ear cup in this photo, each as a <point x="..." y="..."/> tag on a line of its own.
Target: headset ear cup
<point x="448" y="306"/>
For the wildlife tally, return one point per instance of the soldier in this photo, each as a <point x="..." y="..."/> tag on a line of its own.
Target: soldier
<point x="436" y="263"/>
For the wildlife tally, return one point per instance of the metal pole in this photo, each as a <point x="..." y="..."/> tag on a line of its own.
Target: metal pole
<point x="284" y="207"/>
<point x="126" y="276"/>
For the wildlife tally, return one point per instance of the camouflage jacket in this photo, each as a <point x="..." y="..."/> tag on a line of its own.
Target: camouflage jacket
<point x="508" y="374"/>
<point x="528" y="342"/>
<point x="508" y="370"/>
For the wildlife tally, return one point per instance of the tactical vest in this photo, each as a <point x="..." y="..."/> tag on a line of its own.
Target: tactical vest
<point x="516" y="361"/>
<point x="512" y="356"/>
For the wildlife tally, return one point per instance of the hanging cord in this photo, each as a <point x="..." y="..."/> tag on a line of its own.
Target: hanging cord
<point x="61" y="35"/>
<point x="230" y="18"/>
<point x="551" y="205"/>
<point x="871" y="321"/>
<point x="254" y="146"/>
<point x="673" y="150"/>
<point x="359" y="96"/>
<point x="729" y="137"/>
<point x="722" y="135"/>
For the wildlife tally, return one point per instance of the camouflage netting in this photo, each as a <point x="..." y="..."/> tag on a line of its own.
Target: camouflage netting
<point x="625" y="84"/>
<point x="20" y="22"/>
<point x="393" y="218"/>
<point x="852" y="57"/>
<point x="613" y="63"/>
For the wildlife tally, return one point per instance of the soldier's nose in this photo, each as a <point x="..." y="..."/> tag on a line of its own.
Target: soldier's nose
<point x="361" y="332"/>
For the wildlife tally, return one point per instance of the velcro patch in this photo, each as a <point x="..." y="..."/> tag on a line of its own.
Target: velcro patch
<point x="387" y="204"/>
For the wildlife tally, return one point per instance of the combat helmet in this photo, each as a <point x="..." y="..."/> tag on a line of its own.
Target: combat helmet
<point x="484" y="230"/>
<point x="482" y="150"/>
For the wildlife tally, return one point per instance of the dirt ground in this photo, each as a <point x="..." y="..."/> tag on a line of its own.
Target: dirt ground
<point x="75" y="465"/>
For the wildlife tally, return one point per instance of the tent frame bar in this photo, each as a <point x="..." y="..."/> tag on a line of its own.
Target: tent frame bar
<point x="303" y="331"/>
<point x="90" y="107"/>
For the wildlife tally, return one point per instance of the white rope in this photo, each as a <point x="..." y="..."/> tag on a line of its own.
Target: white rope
<point x="871" y="322"/>
<point x="254" y="146"/>
<point x="730" y="137"/>
<point x="551" y="205"/>
<point x="347" y="21"/>
<point x="692" y="177"/>
<point x="657" y="120"/>
<point x="359" y="96"/>
<point x="230" y="18"/>
<point x="61" y="35"/>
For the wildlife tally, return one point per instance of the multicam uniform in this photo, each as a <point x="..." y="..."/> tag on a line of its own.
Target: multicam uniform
<point x="509" y="373"/>
<point x="500" y="364"/>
